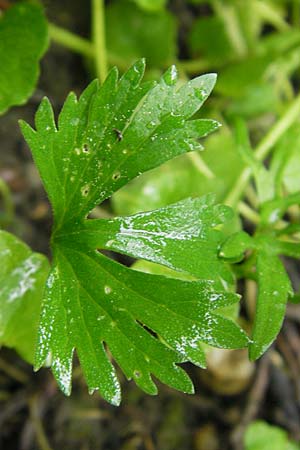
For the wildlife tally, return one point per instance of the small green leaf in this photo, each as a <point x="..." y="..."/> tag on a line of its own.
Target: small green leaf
<point x="262" y="436"/>
<point x="23" y="41"/>
<point x="22" y="277"/>
<point x="233" y="249"/>
<point x="274" y="288"/>
<point x="92" y="304"/>
<point x="273" y="210"/>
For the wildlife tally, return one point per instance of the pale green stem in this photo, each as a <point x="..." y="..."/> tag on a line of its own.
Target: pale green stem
<point x="98" y="36"/>
<point x="7" y="201"/>
<point x="264" y="148"/>
<point x="248" y="213"/>
<point x="71" y="41"/>
<point x="251" y="196"/>
<point x="13" y="371"/>
<point x="296" y="13"/>
<point x="229" y="16"/>
<point x="85" y="48"/>
<point x="200" y="165"/>
<point x="270" y="15"/>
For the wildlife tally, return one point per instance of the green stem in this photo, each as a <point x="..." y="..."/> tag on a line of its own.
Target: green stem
<point x="296" y="13"/>
<point x="248" y="213"/>
<point x="71" y="41"/>
<point x="232" y="26"/>
<point x="8" y="203"/>
<point x="98" y="34"/>
<point x="13" y="371"/>
<point x="200" y="165"/>
<point x="264" y="148"/>
<point x="270" y="15"/>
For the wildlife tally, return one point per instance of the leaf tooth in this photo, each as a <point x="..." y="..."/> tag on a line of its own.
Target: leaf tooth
<point x="67" y="116"/>
<point x="110" y="83"/>
<point x="89" y="92"/>
<point x="62" y="369"/>
<point x="99" y="371"/>
<point x="134" y="74"/>
<point x="28" y="132"/>
<point x="145" y="382"/>
<point x="194" y="93"/>
<point x="176" y="378"/>
<point x="170" y="77"/>
<point x="44" y="117"/>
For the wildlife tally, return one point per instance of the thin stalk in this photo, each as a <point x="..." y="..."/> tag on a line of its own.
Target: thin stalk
<point x="248" y="213"/>
<point x="270" y="15"/>
<point x="200" y="165"/>
<point x="98" y="36"/>
<point x="251" y="196"/>
<point x="296" y="13"/>
<point x="232" y="26"/>
<point x="71" y="41"/>
<point x="263" y="149"/>
<point x="13" y="371"/>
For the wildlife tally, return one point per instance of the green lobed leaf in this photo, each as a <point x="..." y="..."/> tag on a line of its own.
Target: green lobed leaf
<point x="164" y="236"/>
<point x="22" y="277"/>
<point x="89" y="161"/>
<point x="23" y="41"/>
<point x="274" y="286"/>
<point x="103" y="140"/>
<point x="180" y="178"/>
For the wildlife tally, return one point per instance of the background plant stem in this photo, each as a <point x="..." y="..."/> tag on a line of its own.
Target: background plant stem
<point x="264" y="148"/>
<point x="98" y="37"/>
<point x="71" y="41"/>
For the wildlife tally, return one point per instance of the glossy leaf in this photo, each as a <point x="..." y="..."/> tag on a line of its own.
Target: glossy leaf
<point x="22" y="278"/>
<point x="180" y="178"/>
<point x="165" y="236"/>
<point x="23" y="41"/>
<point x="103" y="140"/>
